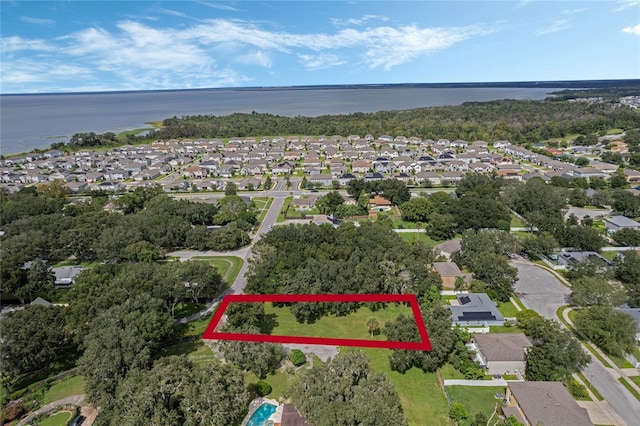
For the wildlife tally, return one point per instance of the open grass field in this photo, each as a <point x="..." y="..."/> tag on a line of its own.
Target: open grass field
<point x="476" y="399"/>
<point x="418" y="236"/>
<point x="352" y="326"/>
<point x="61" y="418"/>
<point x="448" y="372"/>
<point x="73" y="385"/>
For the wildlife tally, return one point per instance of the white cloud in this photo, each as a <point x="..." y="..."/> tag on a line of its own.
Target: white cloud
<point x="624" y="5"/>
<point x="357" y="21"/>
<point x="256" y="58"/>
<point x="16" y="43"/>
<point x="632" y="30"/>
<point x="142" y="55"/>
<point x="219" y="6"/>
<point x="319" y="62"/>
<point x="557" y="25"/>
<point x="172" y="12"/>
<point x="572" y="11"/>
<point x="37" y="21"/>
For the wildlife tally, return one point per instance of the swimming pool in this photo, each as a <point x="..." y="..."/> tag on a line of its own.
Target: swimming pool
<point x="260" y="416"/>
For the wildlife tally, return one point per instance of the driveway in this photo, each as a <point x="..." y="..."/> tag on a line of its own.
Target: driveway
<point x="539" y="289"/>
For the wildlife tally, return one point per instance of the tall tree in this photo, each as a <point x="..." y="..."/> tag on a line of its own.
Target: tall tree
<point x="32" y="338"/>
<point x="611" y="330"/>
<point x="595" y="290"/>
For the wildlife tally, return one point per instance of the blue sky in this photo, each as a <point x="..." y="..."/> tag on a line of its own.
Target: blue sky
<point x="76" y="46"/>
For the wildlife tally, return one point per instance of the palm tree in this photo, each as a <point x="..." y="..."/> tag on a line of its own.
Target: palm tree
<point x="373" y="325"/>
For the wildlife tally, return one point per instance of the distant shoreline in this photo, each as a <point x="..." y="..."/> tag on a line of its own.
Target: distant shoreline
<point x="558" y="84"/>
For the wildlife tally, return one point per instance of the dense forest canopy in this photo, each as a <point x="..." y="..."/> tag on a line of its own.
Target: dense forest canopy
<point x="518" y="121"/>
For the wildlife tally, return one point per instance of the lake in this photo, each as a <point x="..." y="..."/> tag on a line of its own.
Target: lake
<point x="36" y="121"/>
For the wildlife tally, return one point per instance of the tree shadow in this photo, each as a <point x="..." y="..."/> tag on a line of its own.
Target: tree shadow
<point x="268" y="323"/>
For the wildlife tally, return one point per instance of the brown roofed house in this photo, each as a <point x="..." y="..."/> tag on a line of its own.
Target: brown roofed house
<point x="502" y="353"/>
<point x="544" y="403"/>
<point x="448" y="272"/>
<point x="379" y="201"/>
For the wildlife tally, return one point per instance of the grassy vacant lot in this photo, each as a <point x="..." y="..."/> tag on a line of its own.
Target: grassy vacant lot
<point x="73" y="385"/>
<point x="448" y="372"/>
<point x="418" y="236"/>
<point x="516" y="222"/>
<point x="475" y="399"/>
<point x="352" y="326"/>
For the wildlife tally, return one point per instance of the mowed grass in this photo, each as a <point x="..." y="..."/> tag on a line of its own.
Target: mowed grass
<point x="279" y="382"/>
<point x="59" y="419"/>
<point x="421" y="396"/>
<point x="228" y="266"/>
<point x="352" y="326"/>
<point x="476" y="399"/>
<point x="507" y="309"/>
<point x="69" y="386"/>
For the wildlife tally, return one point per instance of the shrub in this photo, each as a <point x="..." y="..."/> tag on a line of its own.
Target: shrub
<point x="263" y="388"/>
<point x="297" y="357"/>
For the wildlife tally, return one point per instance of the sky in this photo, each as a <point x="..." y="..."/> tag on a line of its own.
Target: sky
<point x="81" y="46"/>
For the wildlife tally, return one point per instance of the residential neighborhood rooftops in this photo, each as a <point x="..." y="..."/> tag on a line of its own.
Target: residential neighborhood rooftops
<point x="447" y="269"/>
<point x="503" y="347"/>
<point x="621" y="222"/>
<point x="548" y="403"/>
<point x="476" y="309"/>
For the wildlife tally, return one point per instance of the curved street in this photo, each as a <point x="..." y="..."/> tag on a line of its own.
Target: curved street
<point x="540" y="290"/>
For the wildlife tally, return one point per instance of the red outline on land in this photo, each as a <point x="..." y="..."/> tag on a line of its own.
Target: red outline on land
<point x="423" y="345"/>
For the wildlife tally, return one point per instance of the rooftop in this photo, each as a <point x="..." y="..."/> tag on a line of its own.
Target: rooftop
<point x="503" y="347"/>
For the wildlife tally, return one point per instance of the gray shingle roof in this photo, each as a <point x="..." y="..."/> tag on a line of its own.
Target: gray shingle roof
<point x="503" y="347"/>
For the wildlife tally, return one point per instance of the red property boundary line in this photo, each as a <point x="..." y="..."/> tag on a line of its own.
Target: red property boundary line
<point x="423" y="345"/>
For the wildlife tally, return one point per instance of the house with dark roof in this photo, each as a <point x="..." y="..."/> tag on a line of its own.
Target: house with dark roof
<point x="475" y="310"/>
<point x="502" y="353"/>
<point x="544" y="403"/>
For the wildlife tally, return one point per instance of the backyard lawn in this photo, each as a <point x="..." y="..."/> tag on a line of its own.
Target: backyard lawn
<point x="228" y="266"/>
<point x="61" y="418"/>
<point x="476" y="399"/>
<point x="73" y="385"/>
<point x="507" y="309"/>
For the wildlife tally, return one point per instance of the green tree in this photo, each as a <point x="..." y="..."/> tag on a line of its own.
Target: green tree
<point x="373" y="325"/>
<point x="582" y="161"/>
<point x="120" y="339"/>
<point x="556" y="353"/>
<point x="416" y="210"/>
<point x="458" y="412"/>
<point x="627" y="236"/>
<point x="297" y="357"/>
<point x="230" y="189"/>
<point x="582" y="238"/>
<point x="217" y="396"/>
<point x="40" y="279"/>
<point x="32" y="338"/>
<point x="346" y="390"/>
<point x="611" y="330"/>
<point x="543" y="243"/>
<point x="259" y="357"/>
<point x="441" y="226"/>
<point x="267" y="183"/>
<point x="330" y="202"/>
<point x="595" y="290"/>
<point x="627" y="270"/>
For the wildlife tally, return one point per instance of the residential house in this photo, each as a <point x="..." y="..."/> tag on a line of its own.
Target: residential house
<point x="449" y="273"/>
<point x="475" y="310"/>
<point x="361" y="166"/>
<point x="502" y="353"/>
<point x="544" y="403"/>
<point x="431" y="177"/>
<point x="324" y="179"/>
<point x="616" y="223"/>
<point x="379" y="201"/>
<point x="66" y="275"/>
<point x="305" y="203"/>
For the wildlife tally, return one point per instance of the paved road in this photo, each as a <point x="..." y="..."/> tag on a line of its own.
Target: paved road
<point x="541" y="291"/>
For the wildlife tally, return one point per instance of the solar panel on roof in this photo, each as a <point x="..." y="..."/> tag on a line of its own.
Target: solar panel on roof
<point x="477" y="316"/>
<point x="464" y="299"/>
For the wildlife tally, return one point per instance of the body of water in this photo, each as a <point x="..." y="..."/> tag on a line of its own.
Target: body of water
<point x="36" y="121"/>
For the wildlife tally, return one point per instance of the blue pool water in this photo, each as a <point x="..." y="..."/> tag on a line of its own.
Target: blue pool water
<point x="260" y="416"/>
